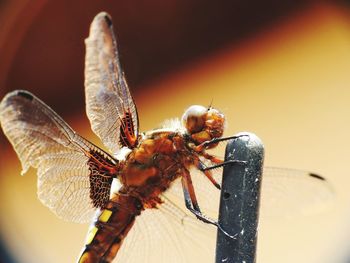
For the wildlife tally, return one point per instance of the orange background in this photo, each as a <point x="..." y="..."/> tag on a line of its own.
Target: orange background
<point x="288" y="83"/>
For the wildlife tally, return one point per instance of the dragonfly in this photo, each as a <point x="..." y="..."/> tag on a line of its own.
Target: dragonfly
<point x="134" y="192"/>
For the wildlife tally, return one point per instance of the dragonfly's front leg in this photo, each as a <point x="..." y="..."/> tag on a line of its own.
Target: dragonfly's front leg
<point x="199" y="148"/>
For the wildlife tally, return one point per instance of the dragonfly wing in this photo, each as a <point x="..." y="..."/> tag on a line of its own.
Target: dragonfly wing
<point x="69" y="182"/>
<point x="168" y="234"/>
<point x="290" y="192"/>
<point x="285" y="193"/>
<point x="109" y="104"/>
<point x="172" y="234"/>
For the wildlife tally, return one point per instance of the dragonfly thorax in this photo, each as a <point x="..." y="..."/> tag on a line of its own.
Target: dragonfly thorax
<point x="203" y="124"/>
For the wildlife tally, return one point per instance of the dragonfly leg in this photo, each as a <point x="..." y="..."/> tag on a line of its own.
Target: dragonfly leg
<point x="211" y="158"/>
<point x="229" y="162"/>
<point x="189" y="193"/>
<point x="202" y="146"/>
<point x="192" y="204"/>
<point x="208" y="174"/>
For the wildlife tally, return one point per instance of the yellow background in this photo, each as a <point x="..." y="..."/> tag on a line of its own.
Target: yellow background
<point x="289" y="85"/>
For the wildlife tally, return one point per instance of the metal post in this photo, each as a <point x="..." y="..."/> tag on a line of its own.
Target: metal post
<point x="239" y="202"/>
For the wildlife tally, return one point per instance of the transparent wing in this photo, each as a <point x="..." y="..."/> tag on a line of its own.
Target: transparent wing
<point x="172" y="234"/>
<point x="290" y="192"/>
<point x="109" y="104"/>
<point x="285" y="193"/>
<point x="69" y="182"/>
<point x="168" y="234"/>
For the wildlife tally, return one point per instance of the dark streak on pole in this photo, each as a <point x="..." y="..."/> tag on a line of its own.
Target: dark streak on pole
<point x="239" y="205"/>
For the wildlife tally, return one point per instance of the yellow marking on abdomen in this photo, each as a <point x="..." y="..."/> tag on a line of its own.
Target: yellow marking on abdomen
<point x="91" y="235"/>
<point x="105" y="215"/>
<point x="84" y="258"/>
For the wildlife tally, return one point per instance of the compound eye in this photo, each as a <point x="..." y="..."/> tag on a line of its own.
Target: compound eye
<point x="194" y="118"/>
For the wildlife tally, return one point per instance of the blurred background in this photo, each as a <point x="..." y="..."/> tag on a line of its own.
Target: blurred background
<point x="279" y="69"/>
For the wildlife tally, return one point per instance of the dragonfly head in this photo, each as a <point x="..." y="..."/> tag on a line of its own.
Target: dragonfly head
<point x="203" y="124"/>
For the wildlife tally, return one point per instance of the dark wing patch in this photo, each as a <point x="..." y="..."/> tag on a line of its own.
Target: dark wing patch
<point x="102" y="172"/>
<point x="128" y="137"/>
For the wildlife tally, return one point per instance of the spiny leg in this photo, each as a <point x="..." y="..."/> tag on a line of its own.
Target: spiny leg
<point x="223" y="164"/>
<point x="208" y="174"/>
<point x="211" y="158"/>
<point x="189" y="193"/>
<point x="202" y="146"/>
<point x="218" y="163"/>
<point x="192" y="204"/>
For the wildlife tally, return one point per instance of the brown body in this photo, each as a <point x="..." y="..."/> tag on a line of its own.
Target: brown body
<point x="146" y="173"/>
<point x="155" y="160"/>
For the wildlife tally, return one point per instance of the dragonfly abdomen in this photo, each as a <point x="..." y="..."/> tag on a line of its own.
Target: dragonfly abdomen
<point x="110" y="228"/>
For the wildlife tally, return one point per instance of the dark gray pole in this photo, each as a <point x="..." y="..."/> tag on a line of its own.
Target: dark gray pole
<point x="239" y="205"/>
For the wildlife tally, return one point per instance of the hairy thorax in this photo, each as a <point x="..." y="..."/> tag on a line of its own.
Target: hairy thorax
<point x="149" y="169"/>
